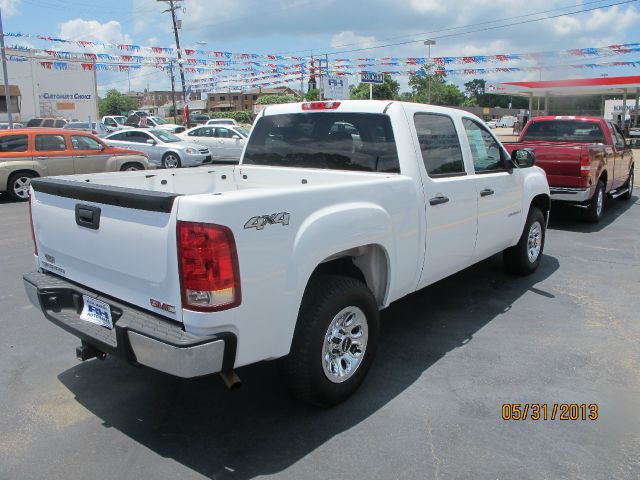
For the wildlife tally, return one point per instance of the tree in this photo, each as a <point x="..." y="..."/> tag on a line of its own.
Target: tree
<point x="312" y="95"/>
<point x="274" y="99"/>
<point x="387" y="91"/>
<point x="442" y="93"/>
<point x="115" y="103"/>
<point x="474" y="91"/>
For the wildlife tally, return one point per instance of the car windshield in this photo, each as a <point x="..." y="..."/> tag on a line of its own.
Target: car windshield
<point x="243" y="131"/>
<point x="565" y="131"/>
<point x="119" y="120"/>
<point x="337" y="141"/>
<point x="159" y="121"/>
<point x="165" y="136"/>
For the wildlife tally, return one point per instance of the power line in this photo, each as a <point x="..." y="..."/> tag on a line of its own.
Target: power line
<point x="575" y="12"/>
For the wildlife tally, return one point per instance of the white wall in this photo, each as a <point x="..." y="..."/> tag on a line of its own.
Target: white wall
<point x="63" y="93"/>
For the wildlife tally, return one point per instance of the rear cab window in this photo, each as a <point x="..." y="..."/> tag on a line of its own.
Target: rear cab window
<point x="578" y="131"/>
<point x="324" y="140"/>
<point x="439" y="145"/>
<point x="13" y="143"/>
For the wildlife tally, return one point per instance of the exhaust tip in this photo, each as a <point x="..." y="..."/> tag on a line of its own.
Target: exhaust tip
<point x="231" y="380"/>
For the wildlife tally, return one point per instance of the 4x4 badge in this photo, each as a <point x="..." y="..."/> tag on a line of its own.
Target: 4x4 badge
<point x="260" y="221"/>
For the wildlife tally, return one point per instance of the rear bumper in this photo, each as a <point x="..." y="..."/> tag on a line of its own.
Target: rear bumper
<point x="573" y="195"/>
<point x="139" y="337"/>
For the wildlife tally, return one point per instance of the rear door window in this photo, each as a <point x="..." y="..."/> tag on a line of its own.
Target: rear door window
<point x="48" y="123"/>
<point x="326" y="140"/>
<point x="34" y="122"/>
<point x="439" y="145"/>
<point x="13" y="143"/>
<point x="60" y="123"/>
<point x="50" y="143"/>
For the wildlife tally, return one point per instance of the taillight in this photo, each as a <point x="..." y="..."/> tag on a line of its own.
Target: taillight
<point x="585" y="163"/>
<point x="33" y="233"/>
<point x="95" y="132"/>
<point x="208" y="261"/>
<point x="320" y="105"/>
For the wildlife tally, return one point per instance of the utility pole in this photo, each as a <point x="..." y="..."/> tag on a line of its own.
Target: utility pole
<point x="172" y="8"/>
<point x="7" y="93"/>
<point x="429" y="43"/>
<point x="173" y="93"/>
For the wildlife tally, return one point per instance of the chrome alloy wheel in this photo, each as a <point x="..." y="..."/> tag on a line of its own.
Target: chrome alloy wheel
<point x="171" y="161"/>
<point x="600" y="202"/>
<point x="345" y="344"/>
<point x="21" y="186"/>
<point x="534" y="242"/>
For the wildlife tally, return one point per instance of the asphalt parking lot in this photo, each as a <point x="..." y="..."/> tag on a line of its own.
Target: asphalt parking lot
<point x="450" y="356"/>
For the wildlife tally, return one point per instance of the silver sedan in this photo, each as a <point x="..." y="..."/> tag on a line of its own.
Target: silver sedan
<point x="164" y="149"/>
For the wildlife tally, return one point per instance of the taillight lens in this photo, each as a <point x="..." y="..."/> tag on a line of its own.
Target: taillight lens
<point x="95" y="132"/>
<point x="208" y="261"/>
<point x="33" y="233"/>
<point x="320" y="105"/>
<point x="585" y="163"/>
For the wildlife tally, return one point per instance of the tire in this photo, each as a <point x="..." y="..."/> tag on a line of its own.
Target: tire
<point x="18" y="186"/>
<point x="171" y="160"/>
<point x="593" y="213"/>
<point x="131" y="167"/>
<point x="524" y="257"/>
<point x="629" y="185"/>
<point x="316" y="373"/>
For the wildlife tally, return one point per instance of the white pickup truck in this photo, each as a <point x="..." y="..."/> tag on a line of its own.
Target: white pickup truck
<point x="336" y="210"/>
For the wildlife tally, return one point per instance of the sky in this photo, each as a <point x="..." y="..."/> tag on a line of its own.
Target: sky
<point x="305" y="27"/>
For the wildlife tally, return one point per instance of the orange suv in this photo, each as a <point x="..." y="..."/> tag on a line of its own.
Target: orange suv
<point x="40" y="152"/>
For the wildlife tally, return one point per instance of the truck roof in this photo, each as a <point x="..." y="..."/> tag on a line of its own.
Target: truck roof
<point x="581" y="118"/>
<point x="357" y="106"/>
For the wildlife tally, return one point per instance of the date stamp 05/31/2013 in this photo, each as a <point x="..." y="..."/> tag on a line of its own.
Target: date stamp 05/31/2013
<point x="550" y="411"/>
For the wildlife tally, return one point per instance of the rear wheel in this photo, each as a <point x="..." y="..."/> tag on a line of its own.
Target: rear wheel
<point x="131" y="167"/>
<point x="629" y="185"/>
<point x="334" y="342"/>
<point x="171" y="160"/>
<point x="593" y="213"/>
<point x="524" y="257"/>
<point x="18" y="186"/>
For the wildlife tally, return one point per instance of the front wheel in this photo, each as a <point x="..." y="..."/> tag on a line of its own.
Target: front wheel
<point x="131" y="167"/>
<point x="171" y="160"/>
<point x="524" y="257"/>
<point x="334" y="342"/>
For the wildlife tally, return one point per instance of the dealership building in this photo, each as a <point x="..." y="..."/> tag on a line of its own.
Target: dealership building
<point x="37" y="91"/>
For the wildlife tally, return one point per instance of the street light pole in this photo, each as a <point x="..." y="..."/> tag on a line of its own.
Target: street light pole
<point x="429" y="43"/>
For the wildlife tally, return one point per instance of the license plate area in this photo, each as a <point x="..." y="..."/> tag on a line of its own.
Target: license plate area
<point x="97" y="312"/>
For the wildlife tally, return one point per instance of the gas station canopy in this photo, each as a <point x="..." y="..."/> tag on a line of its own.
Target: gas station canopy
<point x="578" y="86"/>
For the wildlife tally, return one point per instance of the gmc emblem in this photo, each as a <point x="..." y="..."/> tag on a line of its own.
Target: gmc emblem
<point x="162" y="306"/>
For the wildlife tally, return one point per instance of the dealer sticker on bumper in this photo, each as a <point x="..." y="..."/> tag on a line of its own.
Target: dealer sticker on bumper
<point x="97" y="312"/>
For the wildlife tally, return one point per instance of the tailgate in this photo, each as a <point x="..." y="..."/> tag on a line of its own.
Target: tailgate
<point x="557" y="160"/>
<point x="118" y="241"/>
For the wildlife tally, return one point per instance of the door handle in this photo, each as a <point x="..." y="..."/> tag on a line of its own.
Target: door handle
<point x="486" y="192"/>
<point x="438" y="200"/>
<point x="42" y="158"/>
<point x="81" y="156"/>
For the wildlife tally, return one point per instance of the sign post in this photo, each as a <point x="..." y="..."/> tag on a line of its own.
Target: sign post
<point x="372" y="79"/>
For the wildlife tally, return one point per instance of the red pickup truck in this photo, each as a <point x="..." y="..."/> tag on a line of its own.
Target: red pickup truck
<point x="586" y="159"/>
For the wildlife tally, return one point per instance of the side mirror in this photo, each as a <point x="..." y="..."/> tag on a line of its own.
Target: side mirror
<point x="236" y="137"/>
<point x="101" y="147"/>
<point x="151" y="142"/>
<point x="523" y="158"/>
